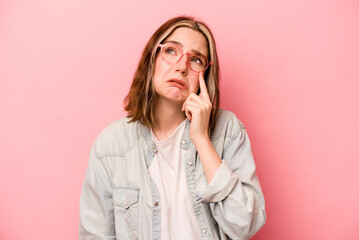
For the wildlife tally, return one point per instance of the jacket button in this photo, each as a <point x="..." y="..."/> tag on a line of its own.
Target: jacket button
<point x="153" y="147"/>
<point x="156" y="204"/>
<point x="204" y="231"/>
<point x="124" y="203"/>
<point x="189" y="163"/>
<point x="183" y="142"/>
<point x="194" y="195"/>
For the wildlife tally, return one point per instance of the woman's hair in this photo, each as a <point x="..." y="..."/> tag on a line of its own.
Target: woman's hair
<point x="141" y="100"/>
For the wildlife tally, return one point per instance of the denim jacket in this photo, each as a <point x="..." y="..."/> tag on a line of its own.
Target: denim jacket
<point x="119" y="200"/>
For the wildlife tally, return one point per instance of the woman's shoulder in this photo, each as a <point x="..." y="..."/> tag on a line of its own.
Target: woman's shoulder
<point x="228" y="117"/>
<point x="118" y="136"/>
<point x="119" y="126"/>
<point x="227" y="124"/>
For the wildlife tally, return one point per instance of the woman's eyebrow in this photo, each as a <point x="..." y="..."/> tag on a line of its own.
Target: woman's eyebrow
<point x="181" y="45"/>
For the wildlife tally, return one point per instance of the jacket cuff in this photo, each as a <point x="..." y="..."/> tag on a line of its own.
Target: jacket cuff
<point x="220" y="186"/>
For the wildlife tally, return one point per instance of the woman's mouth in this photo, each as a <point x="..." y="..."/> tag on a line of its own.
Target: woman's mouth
<point x="177" y="83"/>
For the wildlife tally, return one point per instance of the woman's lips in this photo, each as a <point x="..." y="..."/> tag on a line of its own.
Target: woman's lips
<point x="177" y="83"/>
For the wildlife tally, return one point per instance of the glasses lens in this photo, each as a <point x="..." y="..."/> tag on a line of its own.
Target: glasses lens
<point x="198" y="63"/>
<point x="171" y="53"/>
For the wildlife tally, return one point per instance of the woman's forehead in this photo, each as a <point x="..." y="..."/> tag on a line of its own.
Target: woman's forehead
<point x="189" y="40"/>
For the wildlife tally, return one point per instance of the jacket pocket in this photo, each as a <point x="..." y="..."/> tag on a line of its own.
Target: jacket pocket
<point x="126" y="209"/>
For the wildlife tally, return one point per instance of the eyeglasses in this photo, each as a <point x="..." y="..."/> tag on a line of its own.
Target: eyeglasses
<point x="171" y="53"/>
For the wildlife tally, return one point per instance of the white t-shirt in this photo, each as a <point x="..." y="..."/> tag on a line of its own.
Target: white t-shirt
<point x="168" y="171"/>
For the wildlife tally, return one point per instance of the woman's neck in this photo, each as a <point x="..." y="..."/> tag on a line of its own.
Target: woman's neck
<point x="168" y="117"/>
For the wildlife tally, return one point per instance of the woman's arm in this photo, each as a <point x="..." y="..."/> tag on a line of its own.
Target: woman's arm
<point x="198" y="109"/>
<point x="234" y="193"/>
<point x="96" y="206"/>
<point x="212" y="161"/>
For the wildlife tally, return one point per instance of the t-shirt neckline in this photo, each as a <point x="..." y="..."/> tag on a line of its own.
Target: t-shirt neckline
<point x="154" y="138"/>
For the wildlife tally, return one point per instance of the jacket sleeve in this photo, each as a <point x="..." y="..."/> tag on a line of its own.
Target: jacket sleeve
<point x="96" y="206"/>
<point x="234" y="194"/>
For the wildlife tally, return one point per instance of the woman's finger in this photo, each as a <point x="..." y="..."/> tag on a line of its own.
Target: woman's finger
<point x="192" y="106"/>
<point x="195" y="98"/>
<point x="203" y="87"/>
<point x="205" y="103"/>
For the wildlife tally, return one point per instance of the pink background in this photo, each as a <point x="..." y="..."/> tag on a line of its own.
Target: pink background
<point x="290" y="72"/>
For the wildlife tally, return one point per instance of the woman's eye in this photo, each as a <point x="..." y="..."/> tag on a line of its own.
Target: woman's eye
<point x="170" y="51"/>
<point x="197" y="60"/>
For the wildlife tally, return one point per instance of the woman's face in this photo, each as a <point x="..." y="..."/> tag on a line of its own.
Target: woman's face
<point x="174" y="82"/>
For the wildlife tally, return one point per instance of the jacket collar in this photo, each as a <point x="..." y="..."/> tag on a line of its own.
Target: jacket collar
<point x="146" y="134"/>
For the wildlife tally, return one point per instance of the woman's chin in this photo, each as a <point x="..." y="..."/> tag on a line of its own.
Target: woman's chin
<point x="176" y="94"/>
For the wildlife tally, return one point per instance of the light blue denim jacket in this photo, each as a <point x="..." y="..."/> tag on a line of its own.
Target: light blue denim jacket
<point x="119" y="199"/>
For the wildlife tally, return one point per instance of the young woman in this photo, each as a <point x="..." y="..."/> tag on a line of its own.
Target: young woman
<point x="177" y="167"/>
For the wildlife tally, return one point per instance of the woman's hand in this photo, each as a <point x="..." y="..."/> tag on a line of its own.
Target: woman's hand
<point x="198" y="110"/>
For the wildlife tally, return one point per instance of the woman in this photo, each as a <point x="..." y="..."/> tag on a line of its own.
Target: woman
<point x="176" y="167"/>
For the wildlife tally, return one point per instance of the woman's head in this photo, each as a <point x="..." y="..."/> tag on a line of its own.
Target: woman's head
<point x="189" y="35"/>
<point x="183" y="55"/>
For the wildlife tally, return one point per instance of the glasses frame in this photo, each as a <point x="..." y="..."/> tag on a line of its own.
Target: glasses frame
<point x="209" y="63"/>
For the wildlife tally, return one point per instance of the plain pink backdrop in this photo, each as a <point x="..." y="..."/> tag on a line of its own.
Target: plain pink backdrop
<point x="290" y="72"/>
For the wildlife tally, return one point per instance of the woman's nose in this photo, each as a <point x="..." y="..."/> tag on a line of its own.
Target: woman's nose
<point x="182" y="64"/>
